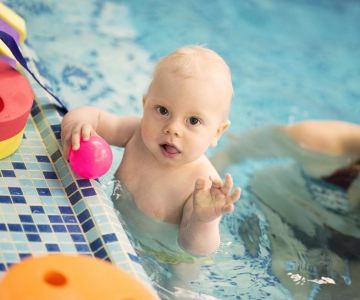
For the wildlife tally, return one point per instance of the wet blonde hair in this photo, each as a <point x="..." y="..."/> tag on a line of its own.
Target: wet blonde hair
<point x="190" y="61"/>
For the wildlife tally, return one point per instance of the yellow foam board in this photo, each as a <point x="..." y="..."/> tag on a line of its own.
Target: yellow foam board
<point x="13" y="19"/>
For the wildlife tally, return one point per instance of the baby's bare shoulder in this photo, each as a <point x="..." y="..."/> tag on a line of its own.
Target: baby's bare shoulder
<point x="204" y="169"/>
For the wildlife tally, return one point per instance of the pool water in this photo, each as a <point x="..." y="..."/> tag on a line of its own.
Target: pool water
<point x="290" y="61"/>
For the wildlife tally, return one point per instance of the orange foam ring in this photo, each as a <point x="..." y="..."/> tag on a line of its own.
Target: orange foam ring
<point x="16" y="98"/>
<point x="62" y="277"/>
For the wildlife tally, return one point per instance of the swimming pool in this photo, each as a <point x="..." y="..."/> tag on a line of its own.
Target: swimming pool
<point x="290" y="61"/>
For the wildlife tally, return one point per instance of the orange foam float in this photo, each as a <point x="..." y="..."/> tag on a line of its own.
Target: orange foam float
<point x="16" y="99"/>
<point x="62" y="277"/>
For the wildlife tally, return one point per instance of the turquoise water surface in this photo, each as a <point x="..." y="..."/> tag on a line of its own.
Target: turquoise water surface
<point x="290" y="61"/>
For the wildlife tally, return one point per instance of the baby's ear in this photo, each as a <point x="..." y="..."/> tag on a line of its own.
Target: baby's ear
<point x="222" y="127"/>
<point x="144" y="99"/>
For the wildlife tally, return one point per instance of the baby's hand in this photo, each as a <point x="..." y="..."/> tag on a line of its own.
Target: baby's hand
<point x="210" y="204"/>
<point x="70" y="135"/>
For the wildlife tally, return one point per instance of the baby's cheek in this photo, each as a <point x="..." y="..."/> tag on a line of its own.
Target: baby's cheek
<point x="198" y="147"/>
<point x="148" y="135"/>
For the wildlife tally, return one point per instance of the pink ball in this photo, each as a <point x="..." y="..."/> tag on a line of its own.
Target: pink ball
<point x="93" y="159"/>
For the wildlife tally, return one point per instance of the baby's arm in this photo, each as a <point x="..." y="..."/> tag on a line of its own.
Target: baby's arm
<point x="85" y="121"/>
<point x="199" y="228"/>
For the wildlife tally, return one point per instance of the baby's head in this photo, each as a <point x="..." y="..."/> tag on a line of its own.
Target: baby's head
<point x="186" y="108"/>
<point x="198" y="63"/>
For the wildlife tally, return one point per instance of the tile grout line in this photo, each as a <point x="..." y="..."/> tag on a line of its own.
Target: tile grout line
<point x="88" y="207"/>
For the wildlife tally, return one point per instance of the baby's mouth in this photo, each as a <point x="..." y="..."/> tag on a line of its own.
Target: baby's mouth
<point x="170" y="149"/>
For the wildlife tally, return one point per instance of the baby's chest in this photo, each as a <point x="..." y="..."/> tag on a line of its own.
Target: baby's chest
<point x="162" y="206"/>
<point x="158" y="197"/>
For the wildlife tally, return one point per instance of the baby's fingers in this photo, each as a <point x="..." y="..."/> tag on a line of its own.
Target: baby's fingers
<point x="200" y="184"/>
<point x="228" y="183"/>
<point x="228" y="208"/>
<point x="216" y="182"/>
<point x="83" y="131"/>
<point x="87" y="131"/>
<point x="236" y="194"/>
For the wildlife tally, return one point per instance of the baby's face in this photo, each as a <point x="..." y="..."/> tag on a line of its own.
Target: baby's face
<point x="183" y="117"/>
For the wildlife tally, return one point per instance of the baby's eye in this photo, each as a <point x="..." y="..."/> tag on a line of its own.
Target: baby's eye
<point x="162" y="110"/>
<point x="193" y="121"/>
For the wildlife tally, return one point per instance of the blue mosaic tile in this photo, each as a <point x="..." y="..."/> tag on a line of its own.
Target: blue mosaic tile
<point x="69" y="219"/>
<point x="83" y="183"/>
<point x="88" y="225"/>
<point x="111" y="237"/>
<point x="52" y="247"/>
<point x="66" y="210"/>
<point x="19" y="166"/>
<point x="71" y="189"/>
<point x="5" y="199"/>
<point x="30" y="228"/>
<point x="37" y="209"/>
<point x="73" y="228"/>
<point x="88" y="192"/>
<point x="59" y="228"/>
<point x="6" y="246"/>
<point x="35" y="111"/>
<point x="22" y="247"/>
<point x="8" y="173"/>
<point x="33" y="237"/>
<point x="32" y="166"/>
<point x="39" y="183"/>
<point x="43" y="191"/>
<point x="56" y="127"/>
<point x="78" y="238"/>
<point x="18" y="199"/>
<point x="134" y="258"/>
<point x="25" y="182"/>
<point x="83" y="216"/>
<point x="15" y="191"/>
<point x="75" y="198"/>
<point x="42" y="158"/>
<point x="102" y="253"/>
<point x="15" y="227"/>
<point x="42" y="209"/>
<point x="95" y="245"/>
<point x="82" y="248"/>
<point x="22" y="209"/>
<point x="50" y="175"/>
<point x="44" y="228"/>
<point x="55" y="219"/>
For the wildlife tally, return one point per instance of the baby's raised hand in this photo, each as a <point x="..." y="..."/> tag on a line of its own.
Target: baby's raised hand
<point x="71" y="134"/>
<point x="209" y="204"/>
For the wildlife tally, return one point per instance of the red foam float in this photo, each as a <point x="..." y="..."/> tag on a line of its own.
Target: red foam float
<point x="16" y="98"/>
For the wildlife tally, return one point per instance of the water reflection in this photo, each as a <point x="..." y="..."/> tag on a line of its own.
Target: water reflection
<point x="311" y="203"/>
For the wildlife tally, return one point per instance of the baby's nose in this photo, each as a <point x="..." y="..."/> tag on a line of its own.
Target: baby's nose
<point x="173" y="128"/>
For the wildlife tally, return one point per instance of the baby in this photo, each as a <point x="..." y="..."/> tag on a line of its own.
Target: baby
<point x="164" y="167"/>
